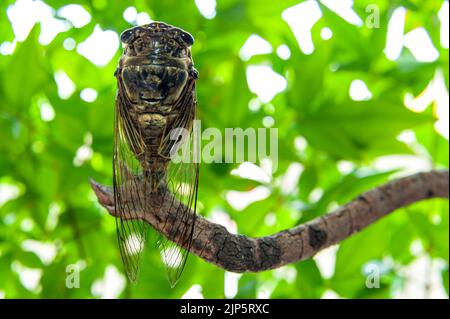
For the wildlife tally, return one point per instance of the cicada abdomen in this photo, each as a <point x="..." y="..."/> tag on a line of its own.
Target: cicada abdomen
<point x="156" y="97"/>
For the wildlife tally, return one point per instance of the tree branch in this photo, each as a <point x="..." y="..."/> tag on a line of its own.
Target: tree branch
<point x="238" y="253"/>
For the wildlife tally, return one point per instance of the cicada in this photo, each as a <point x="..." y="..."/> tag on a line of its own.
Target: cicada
<point x="156" y="96"/>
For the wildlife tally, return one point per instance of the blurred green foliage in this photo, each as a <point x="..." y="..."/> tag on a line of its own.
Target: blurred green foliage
<point x="54" y="204"/>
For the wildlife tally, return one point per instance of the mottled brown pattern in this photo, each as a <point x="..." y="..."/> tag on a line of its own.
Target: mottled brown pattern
<point x="238" y="253"/>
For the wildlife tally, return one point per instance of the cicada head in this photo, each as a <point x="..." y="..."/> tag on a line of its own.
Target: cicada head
<point x="156" y="64"/>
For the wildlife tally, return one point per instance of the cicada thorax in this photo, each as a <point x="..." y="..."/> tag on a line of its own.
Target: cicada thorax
<point x="156" y="75"/>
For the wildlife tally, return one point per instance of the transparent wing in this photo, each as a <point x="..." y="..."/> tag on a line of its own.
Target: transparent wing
<point x="182" y="184"/>
<point x="129" y="187"/>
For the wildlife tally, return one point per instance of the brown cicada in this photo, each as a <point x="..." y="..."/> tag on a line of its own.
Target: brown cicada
<point x="156" y="97"/>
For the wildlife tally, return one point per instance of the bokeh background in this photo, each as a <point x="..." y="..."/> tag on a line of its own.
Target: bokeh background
<point x="359" y="94"/>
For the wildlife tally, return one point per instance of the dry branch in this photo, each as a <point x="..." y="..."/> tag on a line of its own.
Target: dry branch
<point x="238" y="253"/>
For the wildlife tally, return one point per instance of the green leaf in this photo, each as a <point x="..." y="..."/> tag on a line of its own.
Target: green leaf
<point x="445" y="279"/>
<point x="26" y="73"/>
<point x="309" y="281"/>
<point x="247" y="287"/>
<point x="308" y="181"/>
<point x="347" y="130"/>
<point x="353" y="254"/>
<point x="28" y="259"/>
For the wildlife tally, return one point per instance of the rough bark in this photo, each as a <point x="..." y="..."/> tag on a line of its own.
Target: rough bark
<point x="238" y="253"/>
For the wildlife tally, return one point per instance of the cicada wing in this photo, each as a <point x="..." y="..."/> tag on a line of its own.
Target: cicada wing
<point x="182" y="184"/>
<point x="129" y="186"/>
